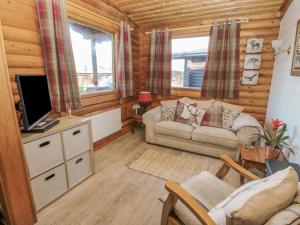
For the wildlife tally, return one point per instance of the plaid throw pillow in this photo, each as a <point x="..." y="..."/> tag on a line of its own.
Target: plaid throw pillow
<point x="167" y="113"/>
<point x="213" y="117"/>
<point x="183" y="114"/>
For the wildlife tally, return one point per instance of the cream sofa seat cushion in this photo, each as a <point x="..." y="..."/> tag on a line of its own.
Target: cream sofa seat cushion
<point x="208" y="190"/>
<point x="290" y="215"/>
<point x="174" y="129"/>
<point x="257" y="201"/>
<point x="215" y="136"/>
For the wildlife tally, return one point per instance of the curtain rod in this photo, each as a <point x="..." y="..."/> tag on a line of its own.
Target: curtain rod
<point x="206" y="25"/>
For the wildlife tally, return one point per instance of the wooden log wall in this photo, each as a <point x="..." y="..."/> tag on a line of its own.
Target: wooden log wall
<point x="25" y="52"/>
<point x="253" y="98"/>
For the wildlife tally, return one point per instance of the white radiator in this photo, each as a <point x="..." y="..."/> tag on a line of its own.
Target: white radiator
<point x="106" y="123"/>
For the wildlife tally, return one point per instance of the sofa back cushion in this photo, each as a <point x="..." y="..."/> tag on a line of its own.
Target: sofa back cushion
<point x="229" y="106"/>
<point x="213" y="117"/>
<point x="257" y="201"/>
<point x="228" y="117"/>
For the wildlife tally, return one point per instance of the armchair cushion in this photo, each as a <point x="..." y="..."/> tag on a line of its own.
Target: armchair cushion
<point x="241" y="207"/>
<point x="208" y="190"/>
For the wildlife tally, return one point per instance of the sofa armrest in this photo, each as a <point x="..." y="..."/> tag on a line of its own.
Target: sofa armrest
<point x="150" y="118"/>
<point x="248" y="135"/>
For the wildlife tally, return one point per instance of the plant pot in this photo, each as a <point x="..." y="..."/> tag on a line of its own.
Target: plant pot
<point x="273" y="154"/>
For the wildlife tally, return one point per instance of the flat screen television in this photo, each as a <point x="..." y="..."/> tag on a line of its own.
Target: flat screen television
<point x="35" y="99"/>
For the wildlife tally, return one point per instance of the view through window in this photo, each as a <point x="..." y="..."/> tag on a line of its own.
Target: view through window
<point x="188" y="61"/>
<point x="93" y="53"/>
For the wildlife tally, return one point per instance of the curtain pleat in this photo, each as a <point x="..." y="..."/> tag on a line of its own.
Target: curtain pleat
<point x="125" y="84"/>
<point x="222" y="71"/>
<point x="159" y="80"/>
<point x="58" y="53"/>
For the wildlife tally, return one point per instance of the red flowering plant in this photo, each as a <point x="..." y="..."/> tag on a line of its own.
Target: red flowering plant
<point x="276" y="138"/>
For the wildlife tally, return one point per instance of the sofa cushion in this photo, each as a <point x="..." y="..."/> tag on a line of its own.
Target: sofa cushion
<point x="208" y="190"/>
<point x="213" y="117"/>
<point x="229" y="106"/>
<point x="215" y="136"/>
<point x="183" y="113"/>
<point x="257" y="201"/>
<point x="228" y="118"/>
<point x="174" y="129"/>
<point x="290" y="215"/>
<point x="167" y="113"/>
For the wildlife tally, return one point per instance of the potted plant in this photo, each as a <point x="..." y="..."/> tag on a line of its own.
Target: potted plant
<point x="276" y="139"/>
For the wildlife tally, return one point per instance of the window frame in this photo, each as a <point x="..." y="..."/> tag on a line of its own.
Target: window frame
<point x="113" y="35"/>
<point x="186" y="88"/>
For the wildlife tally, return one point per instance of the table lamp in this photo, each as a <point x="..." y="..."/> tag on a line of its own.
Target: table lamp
<point x="145" y="99"/>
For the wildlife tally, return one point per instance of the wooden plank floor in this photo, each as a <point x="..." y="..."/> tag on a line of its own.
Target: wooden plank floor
<point x="115" y="195"/>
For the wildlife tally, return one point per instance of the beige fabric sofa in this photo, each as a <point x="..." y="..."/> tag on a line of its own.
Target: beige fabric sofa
<point x="203" y="140"/>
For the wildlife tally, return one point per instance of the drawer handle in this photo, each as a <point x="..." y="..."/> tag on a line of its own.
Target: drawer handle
<point x="76" y="132"/>
<point x="78" y="160"/>
<point x="44" y="144"/>
<point x="50" y="177"/>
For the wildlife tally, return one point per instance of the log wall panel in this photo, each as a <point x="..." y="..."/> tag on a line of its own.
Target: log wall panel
<point x="253" y="98"/>
<point x="25" y="54"/>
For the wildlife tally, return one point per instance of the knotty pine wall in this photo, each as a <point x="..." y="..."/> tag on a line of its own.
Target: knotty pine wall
<point x="253" y="98"/>
<point x="25" y="53"/>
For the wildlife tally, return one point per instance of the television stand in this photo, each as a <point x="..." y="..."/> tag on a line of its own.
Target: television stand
<point x="42" y="126"/>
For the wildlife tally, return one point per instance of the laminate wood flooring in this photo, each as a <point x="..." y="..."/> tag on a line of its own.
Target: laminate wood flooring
<point x="115" y="195"/>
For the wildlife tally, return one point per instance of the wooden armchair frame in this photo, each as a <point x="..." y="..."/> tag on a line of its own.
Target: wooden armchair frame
<point x="177" y="193"/>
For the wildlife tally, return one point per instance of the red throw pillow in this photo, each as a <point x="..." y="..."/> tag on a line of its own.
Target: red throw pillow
<point x="213" y="117"/>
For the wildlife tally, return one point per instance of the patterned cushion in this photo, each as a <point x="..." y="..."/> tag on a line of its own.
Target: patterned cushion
<point x="167" y="113"/>
<point x="228" y="117"/>
<point x="290" y="216"/>
<point x="183" y="113"/>
<point x="255" y="202"/>
<point x="213" y="117"/>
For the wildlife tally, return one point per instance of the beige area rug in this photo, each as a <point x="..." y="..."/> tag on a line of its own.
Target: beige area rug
<point x="179" y="166"/>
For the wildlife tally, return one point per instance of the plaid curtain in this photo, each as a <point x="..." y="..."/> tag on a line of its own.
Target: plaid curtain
<point x="124" y="68"/>
<point x="159" y="80"/>
<point x="58" y="55"/>
<point x="222" y="72"/>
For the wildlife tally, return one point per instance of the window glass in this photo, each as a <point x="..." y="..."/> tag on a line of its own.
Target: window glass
<point x="188" y="61"/>
<point x="93" y="51"/>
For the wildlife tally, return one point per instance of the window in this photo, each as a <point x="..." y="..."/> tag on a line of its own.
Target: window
<point x="93" y="51"/>
<point x="188" y="61"/>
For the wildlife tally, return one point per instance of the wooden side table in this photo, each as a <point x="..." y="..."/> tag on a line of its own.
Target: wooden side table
<point x="252" y="158"/>
<point x="137" y="120"/>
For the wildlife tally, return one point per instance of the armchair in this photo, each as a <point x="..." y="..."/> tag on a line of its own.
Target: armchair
<point x="199" y="210"/>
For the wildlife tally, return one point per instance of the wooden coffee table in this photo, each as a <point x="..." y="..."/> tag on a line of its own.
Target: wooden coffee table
<point x="252" y="158"/>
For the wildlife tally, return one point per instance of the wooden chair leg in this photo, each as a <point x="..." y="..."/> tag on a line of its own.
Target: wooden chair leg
<point x="222" y="172"/>
<point x="168" y="207"/>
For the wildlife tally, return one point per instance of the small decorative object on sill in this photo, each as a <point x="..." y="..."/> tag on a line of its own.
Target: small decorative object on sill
<point x="145" y="99"/>
<point x="69" y="108"/>
<point x="276" y="139"/>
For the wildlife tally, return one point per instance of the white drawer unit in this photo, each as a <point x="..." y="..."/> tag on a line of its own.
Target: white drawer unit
<point x="78" y="168"/>
<point x="76" y="140"/>
<point x="49" y="186"/>
<point x="43" y="154"/>
<point x="58" y="159"/>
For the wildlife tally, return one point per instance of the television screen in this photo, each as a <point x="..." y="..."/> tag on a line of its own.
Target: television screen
<point x="35" y="98"/>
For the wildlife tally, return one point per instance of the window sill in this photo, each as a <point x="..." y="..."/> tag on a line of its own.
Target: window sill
<point x="95" y="94"/>
<point x="185" y="89"/>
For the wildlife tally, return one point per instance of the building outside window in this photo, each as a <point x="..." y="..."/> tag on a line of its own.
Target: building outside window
<point x="93" y="51"/>
<point x="188" y="61"/>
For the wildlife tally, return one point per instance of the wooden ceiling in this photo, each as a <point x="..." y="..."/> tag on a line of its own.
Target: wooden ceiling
<point x="151" y="13"/>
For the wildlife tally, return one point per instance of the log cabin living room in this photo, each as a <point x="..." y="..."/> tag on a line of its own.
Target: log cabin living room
<point x="180" y="112"/>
